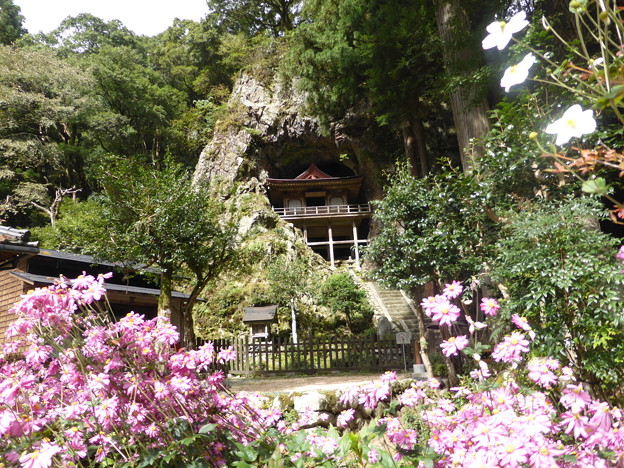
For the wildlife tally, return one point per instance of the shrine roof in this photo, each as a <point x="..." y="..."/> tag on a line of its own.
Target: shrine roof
<point x="314" y="177"/>
<point x="259" y="314"/>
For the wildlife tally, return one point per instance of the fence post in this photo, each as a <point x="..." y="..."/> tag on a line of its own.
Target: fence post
<point x="246" y="347"/>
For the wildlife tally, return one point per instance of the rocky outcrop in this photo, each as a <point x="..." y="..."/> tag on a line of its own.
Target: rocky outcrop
<point x="260" y="116"/>
<point x="267" y="133"/>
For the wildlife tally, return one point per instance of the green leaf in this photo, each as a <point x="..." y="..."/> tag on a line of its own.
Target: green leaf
<point x="207" y="428"/>
<point x="597" y="186"/>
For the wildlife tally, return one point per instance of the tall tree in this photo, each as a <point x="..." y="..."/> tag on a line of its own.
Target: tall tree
<point x="86" y="34"/>
<point x="11" y="22"/>
<point x="156" y="218"/>
<point x="44" y="106"/>
<point x="253" y="17"/>
<point x="371" y="50"/>
<point x="468" y="102"/>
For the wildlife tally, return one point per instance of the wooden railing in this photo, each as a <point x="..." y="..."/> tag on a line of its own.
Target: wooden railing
<point x="315" y="355"/>
<point x="323" y="210"/>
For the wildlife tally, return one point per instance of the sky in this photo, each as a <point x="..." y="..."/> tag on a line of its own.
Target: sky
<point x="143" y="17"/>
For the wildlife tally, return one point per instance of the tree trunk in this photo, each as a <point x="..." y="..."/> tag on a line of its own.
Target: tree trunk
<point x="469" y="110"/>
<point x="415" y="147"/>
<point x="453" y="379"/>
<point x="422" y="333"/>
<point x="164" y="300"/>
<point x="295" y="338"/>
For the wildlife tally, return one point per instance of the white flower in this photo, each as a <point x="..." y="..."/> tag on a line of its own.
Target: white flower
<point x="516" y="74"/>
<point x="575" y="122"/>
<point x="501" y="31"/>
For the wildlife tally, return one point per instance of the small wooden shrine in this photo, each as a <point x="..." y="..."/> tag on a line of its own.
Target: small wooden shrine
<point x="259" y="320"/>
<point x="327" y="209"/>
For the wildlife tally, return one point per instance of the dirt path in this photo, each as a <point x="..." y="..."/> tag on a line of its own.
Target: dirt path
<point x="304" y="384"/>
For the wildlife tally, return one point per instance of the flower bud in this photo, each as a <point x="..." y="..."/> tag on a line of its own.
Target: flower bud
<point x="533" y="136"/>
<point x="574" y="4"/>
<point x="604" y="16"/>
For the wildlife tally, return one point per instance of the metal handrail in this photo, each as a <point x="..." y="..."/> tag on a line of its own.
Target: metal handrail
<point x="323" y="210"/>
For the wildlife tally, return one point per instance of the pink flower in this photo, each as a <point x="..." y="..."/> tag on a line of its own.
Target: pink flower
<point x="344" y="417"/>
<point x="453" y="345"/>
<point x="427" y="305"/>
<point x="620" y="254"/>
<point x="453" y="290"/>
<point x="411" y="397"/>
<point x="40" y="458"/>
<point x="540" y="373"/>
<point x="575" y="423"/>
<point x="575" y="395"/>
<point x="445" y="313"/>
<point x="489" y="306"/>
<point x="373" y="456"/>
<point x="389" y="376"/>
<point x="226" y="355"/>
<point x="511" y="349"/>
<point x="371" y="394"/>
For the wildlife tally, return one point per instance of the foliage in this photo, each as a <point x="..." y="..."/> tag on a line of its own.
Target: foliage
<point x="347" y="51"/>
<point x="347" y="302"/>
<point x="431" y="229"/>
<point x="11" y="22"/>
<point x="86" y="34"/>
<point x="560" y="272"/>
<point x="43" y="107"/>
<point x="256" y="17"/>
<point x="78" y="228"/>
<point x="116" y="393"/>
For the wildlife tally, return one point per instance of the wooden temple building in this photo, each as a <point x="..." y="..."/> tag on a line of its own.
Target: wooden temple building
<point x="329" y="211"/>
<point x="25" y="266"/>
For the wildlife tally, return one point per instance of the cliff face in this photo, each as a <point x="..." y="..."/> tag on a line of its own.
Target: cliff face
<point x="268" y="134"/>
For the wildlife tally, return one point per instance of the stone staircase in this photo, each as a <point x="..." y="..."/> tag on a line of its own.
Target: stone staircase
<point x="394" y="305"/>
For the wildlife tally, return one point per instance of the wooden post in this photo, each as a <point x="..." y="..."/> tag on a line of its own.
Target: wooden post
<point x="331" y="245"/>
<point x="417" y="356"/>
<point x="355" y="246"/>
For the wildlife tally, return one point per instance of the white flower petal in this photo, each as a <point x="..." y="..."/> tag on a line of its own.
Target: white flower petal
<point x="516" y="74"/>
<point x="500" y="32"/>
<point x="574" y="123"/>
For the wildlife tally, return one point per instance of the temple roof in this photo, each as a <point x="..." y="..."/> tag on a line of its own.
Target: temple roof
<point x="313" y="172"/>
<point x="313" y="177"/>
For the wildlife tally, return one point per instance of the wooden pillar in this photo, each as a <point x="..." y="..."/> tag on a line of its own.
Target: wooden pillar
<point x="355" y="246"/>
<point x="331" y="244"/>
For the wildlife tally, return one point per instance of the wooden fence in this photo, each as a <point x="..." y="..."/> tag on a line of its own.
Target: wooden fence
<point x="315" y="355"/>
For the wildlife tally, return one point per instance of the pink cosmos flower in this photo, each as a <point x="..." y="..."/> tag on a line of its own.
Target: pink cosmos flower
<point x="427" y="305"/>
<point x="453" y="345"/>
<point x="389" y="376"/>
<point x="620" y="254"/>
<point x="445" y="313"/>
<point x="482" y="373"/>
<point x="511" y="349"/>
<point x="371" y="394"/>
<point x="575" y="422"/>
<point x="226" y="355"/>
<point x="40" y="458"/>
<point x="373" y="456"/>
<point x="489" y="306"/>
<point x="540" y="373"/>
<point x="545" y="456"/>
<point x="344" y="417"/>
<point x="453" y="290"/>
<point x="349" y="396"/>
<point x="575" y="395"/>
<point x="152" y="430"/>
